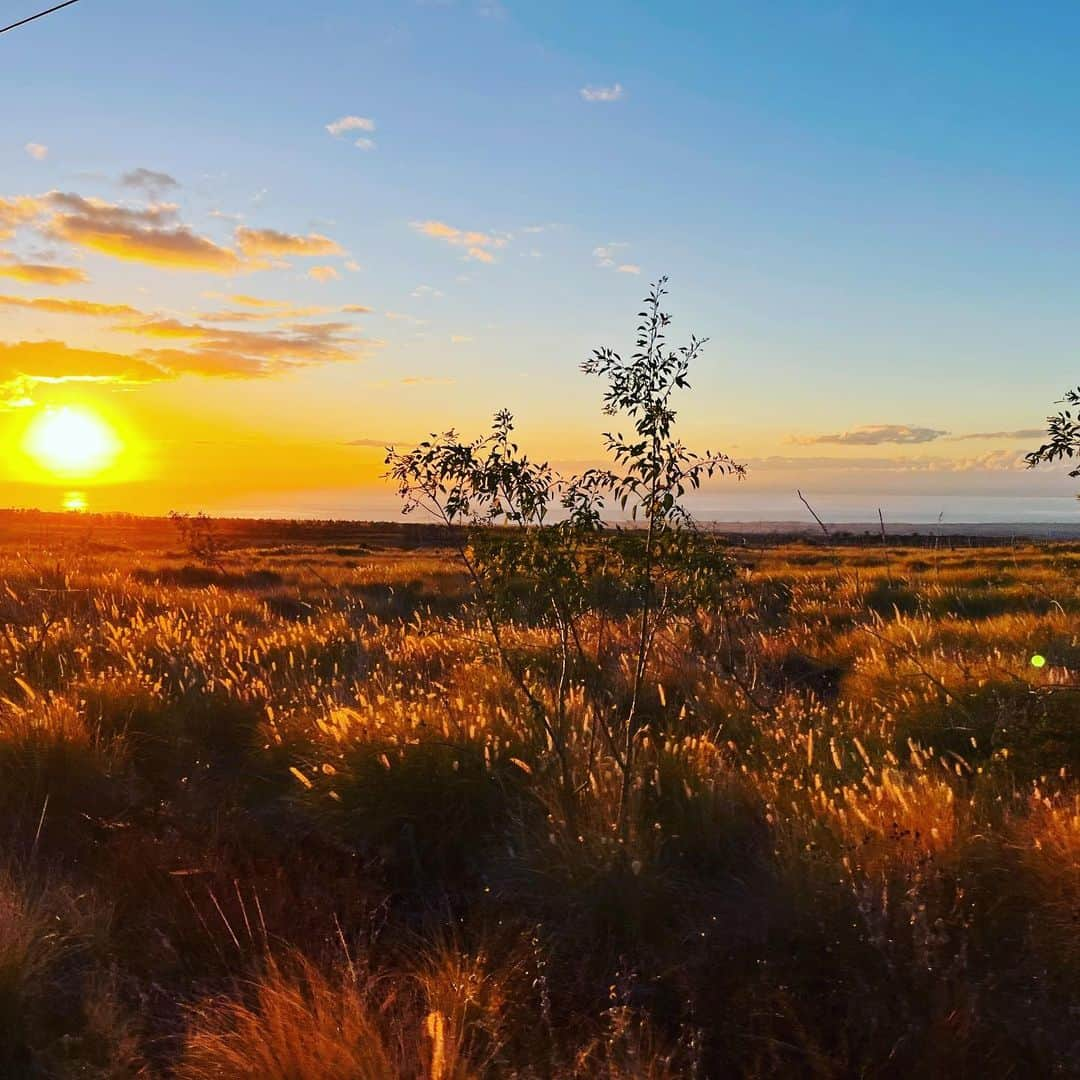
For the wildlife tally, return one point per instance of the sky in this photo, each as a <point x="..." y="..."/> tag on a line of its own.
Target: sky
<point x="257" y="242"/>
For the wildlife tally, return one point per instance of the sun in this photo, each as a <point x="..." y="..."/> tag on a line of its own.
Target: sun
<point x="71" y="441"/>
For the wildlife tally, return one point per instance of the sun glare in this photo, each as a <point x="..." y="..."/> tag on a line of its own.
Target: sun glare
<point x="72" y="442"/>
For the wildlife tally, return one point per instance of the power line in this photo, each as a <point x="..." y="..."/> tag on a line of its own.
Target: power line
<point x="31" y="18"/>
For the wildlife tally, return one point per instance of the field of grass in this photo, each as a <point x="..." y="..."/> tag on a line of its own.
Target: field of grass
<point x="281" y="816"/>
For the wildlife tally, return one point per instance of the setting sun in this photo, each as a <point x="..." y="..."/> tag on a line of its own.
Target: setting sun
<point x="72" y="442"/>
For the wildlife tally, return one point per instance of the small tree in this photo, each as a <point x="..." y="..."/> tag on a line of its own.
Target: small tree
<point x="199" y="538"/>
<point x="566" y="573"/>
<point x="1063" y="434"/>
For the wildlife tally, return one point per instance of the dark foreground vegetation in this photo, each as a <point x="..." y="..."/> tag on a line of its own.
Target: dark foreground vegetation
<point x="279" y="812"/>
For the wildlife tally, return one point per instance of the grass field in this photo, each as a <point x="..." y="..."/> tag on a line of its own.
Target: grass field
<point x="278" y="815"/>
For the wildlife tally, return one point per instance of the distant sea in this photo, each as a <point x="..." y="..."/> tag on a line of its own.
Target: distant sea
<point x="740" y="506"/>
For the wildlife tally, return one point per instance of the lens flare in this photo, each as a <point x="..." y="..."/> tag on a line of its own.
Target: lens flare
<point x="72" y="441"/>
<point x="1038" y="661"/>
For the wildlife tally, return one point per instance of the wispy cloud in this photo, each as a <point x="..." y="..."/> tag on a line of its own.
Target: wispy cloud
<point x="478" y="245"/>
<point x="345" y="124"/>
<point x="38" y="151"/>
<point x="323" y="273"/>
<point x="614" y="92"/>
<point x="16" y="212"/>
<point x="42" y="273"/>
<point x="993" y="461"/>
<point x="215" y="351"/>
<point x="1022" y="433"/>
<point x="63" y="306"/>
<point x="875" y="435"/>
<point x="607" y="256"/>
<point x="257" y="243"/>
<point x="149" y="181"/>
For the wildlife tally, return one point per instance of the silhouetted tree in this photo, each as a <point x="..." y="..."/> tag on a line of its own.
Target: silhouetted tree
<point x="555" y="573"/>
<point x="1063" y="436"/>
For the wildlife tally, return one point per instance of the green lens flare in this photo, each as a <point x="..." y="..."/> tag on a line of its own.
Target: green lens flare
<point x="1038" y="661"/>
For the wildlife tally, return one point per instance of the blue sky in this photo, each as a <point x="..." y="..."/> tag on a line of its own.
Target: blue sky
<point x="867" y="208"/>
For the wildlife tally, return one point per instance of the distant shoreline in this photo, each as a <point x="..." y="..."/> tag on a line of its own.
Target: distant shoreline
<point x="16" y="521"/>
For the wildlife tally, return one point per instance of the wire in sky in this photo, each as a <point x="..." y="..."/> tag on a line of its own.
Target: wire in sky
<point x="31" y="18"/>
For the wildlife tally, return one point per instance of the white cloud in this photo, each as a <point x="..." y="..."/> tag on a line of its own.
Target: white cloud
<point x="38" y="151"/>
<point x="602" y="93"/>
<point x="606" y="254"/>
<point x="628" y="268"/>
<point x="338" y="127"/>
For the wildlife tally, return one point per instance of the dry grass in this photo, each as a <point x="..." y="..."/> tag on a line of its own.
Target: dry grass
<point x="286" y="818"/>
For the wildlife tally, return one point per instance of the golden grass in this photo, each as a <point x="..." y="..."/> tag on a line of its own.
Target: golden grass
<point x="337" y="848"/>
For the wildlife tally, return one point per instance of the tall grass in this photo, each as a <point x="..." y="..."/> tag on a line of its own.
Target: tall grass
<point x="287" y="820"/>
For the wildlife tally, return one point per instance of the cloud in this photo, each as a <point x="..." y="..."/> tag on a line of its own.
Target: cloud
<point x="54" y="361"/>
<point x="204" y="350"/>
<point x="16" y="212"/>
<point x="606" y="256"/>
<point x="38" y="151"/>
<point x="323" y="273"/>
<point x="337" y="128"/>
<point x="381" y="444"/>
<point x="602" y="93"/>
<point x="426" y="380"/>
<point x="875" y="435"/>
<point x="1022" y="433"/>
<point x="43" y="274"/>
<point x="149" y="181"/>
<point x="477" y="245"/>
<point x="251" y="301"/>
<point x="286" y="311"/>
<point x="426" y="290"/>
<point x="355" y="309"/>
<point x="150" y="235"/>
<point x="628" y="268"/>
<point x="216" y="351"/>
<point x="350" y="123"/>
<point x="459" y="339"/>
<point x="994" y="461"/>
<point x="58" y="306"/>
<point x="256" y="243"/>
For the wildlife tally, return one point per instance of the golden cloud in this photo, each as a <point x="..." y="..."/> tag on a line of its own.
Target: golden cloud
<point x="323" y="273"/>
<point x="62" y="306"/>
<point x="251" y="351"/>
<point x="17" y="211"/>
<point x="150" y="235"/>
<point x="54" y="361"/>
<point x="43" y="273"/>
<point x="477" y="245"/>
<point x="256" y="243"/>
